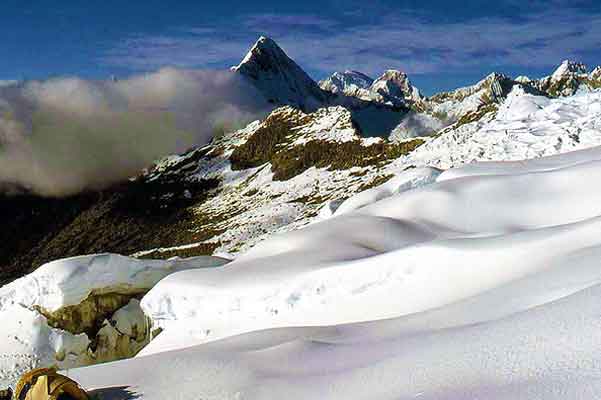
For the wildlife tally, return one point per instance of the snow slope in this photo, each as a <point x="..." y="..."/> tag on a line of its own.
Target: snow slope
<point x="525" y="126"/>
<point x="251" y="206"/>
<point x="478" y="285"/>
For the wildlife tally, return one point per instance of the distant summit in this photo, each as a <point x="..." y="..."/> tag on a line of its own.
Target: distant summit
<point x="568" y="68"/>
<point x="348" y="83"/>
<point x="393" y="88"/>
<point x="278" y="77"/>
<point x="567" y="79"/>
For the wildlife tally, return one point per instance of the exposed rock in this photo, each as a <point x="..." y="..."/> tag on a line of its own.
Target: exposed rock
<point x="279" y="78"/>
<point x="89" y="315"/>
<point x="568" y="68"/>
<point x="394" y="88"/>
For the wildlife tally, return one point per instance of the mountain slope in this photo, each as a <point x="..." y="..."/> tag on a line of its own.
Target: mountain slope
<point x="276" y="175"/>
<point x="280" y="173"/>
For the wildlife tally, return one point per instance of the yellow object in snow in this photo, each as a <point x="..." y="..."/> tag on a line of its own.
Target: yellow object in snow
<point x="47" y="384"/>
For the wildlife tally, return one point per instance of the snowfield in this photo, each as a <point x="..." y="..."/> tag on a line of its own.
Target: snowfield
<point x="526" y="126"/>
<point x="483" y="283"/>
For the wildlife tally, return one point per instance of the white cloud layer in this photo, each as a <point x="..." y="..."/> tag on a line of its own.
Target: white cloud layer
<point x="61" y="136"/>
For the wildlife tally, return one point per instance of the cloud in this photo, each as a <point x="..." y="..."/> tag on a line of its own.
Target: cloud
<point x="408" y="40"/>
<point x="62" y="136"/>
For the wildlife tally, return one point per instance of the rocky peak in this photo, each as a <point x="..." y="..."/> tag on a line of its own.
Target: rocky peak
<point x="349" y="83"/>
<point x="595" y="74"/>
<point x="568" y="68"/>
<point x="395" y="88"/>
<point x="278" y="77"/>
<point x="499" y="86"/>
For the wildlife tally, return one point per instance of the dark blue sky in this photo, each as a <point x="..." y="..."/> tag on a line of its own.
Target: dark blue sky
<point x="441" y="44"/>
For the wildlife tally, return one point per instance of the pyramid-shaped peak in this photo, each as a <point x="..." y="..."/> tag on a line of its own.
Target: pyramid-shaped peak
<point x="265" y="50"/>
<point x="568" y="67"/>
<point x="267" y="44"/>
<point x="278" y="77"/>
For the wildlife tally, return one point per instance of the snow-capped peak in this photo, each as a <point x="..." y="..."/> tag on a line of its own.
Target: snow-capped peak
<point x="278" y="77"/>
<point x="395" y="88"/>
<point x="595" y="74"/>
<point x="392" y="88"/>
<point x="349" y="83"/>
<point x="567" y="68"/>
<point x="262" y="45"/>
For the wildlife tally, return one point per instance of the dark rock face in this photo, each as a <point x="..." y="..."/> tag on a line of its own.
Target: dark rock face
<point x="279" y="78"/>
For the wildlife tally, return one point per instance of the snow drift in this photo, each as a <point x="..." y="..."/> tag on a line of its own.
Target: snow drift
<point x="474" y="286"/>
<point x="79" y="311"/>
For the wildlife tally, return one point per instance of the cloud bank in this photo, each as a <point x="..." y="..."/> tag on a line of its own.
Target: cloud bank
<point x="62" y="136"/>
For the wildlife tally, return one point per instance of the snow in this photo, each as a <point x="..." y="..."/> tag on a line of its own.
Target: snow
<point x="349" y="83"/>
<point x="483" y="283"/>
<point x="525" y="127"/>
<point x="69" y="281"/>
<point x="520" y="105"/>
<point x="278" y="77"/>
<point x="332" y="124"/>
<point x="479" y="281"/>
<point x="392" y="88"/>
<point x="567" y="68"/>
<point x="27" y="339"/>
<point x="404" y="181"/>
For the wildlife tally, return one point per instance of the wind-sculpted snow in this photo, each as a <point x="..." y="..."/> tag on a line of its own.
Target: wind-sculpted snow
<point x="473" y="286"/>
<point x="79" y="311"/>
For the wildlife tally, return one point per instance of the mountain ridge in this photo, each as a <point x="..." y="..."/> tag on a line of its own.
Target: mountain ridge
<point x="281" y="172"/>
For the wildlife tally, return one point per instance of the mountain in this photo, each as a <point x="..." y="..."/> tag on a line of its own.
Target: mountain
<point x="278" y="77"/>
<point x="410" y="272"/>
<point x="392" y="89"/>
<point x="348" y="83"/>
<point x="283" y="171"/>
<point x="319" y="226"/>
<point x="567" y="79"/>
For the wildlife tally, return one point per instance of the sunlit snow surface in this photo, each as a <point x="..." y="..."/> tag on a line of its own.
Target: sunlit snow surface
<point x="482" y="284"/>
<point x="526" y="126"/>
<point x="26" y="338"/>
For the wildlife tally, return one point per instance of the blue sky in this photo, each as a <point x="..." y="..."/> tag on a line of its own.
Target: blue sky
<point x="441" y="44"/>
